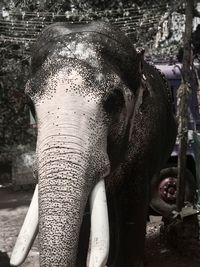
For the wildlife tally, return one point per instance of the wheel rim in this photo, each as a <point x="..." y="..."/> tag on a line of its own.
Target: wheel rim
<point x="168" y="190"/>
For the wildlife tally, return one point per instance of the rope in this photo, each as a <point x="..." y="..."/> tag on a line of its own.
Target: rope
<point x="15" y="30"/>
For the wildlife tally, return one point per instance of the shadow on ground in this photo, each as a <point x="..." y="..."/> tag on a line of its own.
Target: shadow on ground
<point x="10" y="199"/>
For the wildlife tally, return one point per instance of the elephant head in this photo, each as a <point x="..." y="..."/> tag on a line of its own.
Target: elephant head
<point x="88" y="92"/>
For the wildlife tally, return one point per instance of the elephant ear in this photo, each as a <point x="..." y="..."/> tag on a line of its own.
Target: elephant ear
<point x="140" y="92"/>
<point x="29" y="101"/>
<point x="140" y="52"/>
<point x="22" y="100"/>
<point x="19" y="100"/>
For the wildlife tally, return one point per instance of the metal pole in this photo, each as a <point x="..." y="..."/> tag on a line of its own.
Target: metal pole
<point x="182" y="104"/>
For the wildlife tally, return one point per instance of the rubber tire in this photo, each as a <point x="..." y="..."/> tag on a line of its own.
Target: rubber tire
<point x="159" y="205"/>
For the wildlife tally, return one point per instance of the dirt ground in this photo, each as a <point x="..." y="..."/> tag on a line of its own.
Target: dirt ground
<point x="13" y="208"/>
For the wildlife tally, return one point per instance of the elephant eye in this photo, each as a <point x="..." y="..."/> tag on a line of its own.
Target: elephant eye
<point x="114" y="102"/>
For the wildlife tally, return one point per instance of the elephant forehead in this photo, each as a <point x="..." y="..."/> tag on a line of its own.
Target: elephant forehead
<point x="76" y="76"/>
<point x="81" y="50"/>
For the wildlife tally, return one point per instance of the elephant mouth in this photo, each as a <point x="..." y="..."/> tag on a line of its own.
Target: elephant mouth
<point x="99" y="233"/>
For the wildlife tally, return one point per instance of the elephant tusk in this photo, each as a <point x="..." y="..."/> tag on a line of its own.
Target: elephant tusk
<point x="99" y="233"/>
<point x="27" y="233"/>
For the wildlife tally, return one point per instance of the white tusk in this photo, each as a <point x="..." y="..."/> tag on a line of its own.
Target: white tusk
<point x="27" y="233"/>
<point x="99" y="233"/>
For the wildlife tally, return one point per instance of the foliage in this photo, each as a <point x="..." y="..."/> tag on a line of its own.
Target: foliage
<point x="14" y="126"/>
<point x="195" y="46"/>
<point x="169" y="37"/>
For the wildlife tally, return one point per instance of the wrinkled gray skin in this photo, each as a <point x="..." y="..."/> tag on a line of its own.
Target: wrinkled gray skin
<point x="101" y="113"/>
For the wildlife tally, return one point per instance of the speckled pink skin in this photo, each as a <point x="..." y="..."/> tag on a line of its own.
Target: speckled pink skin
<point x="72" y="155"/>
<point x="96" y="116"/>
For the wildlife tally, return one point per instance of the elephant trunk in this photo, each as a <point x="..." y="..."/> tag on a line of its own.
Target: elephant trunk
<point x="62" y="199"/>
<point x="68" y="169"/>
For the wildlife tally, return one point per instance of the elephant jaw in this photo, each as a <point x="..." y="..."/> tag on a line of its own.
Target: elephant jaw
<point x="99" y="235"/>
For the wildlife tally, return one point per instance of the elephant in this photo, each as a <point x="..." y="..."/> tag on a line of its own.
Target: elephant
<point x="103" y="114"/>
